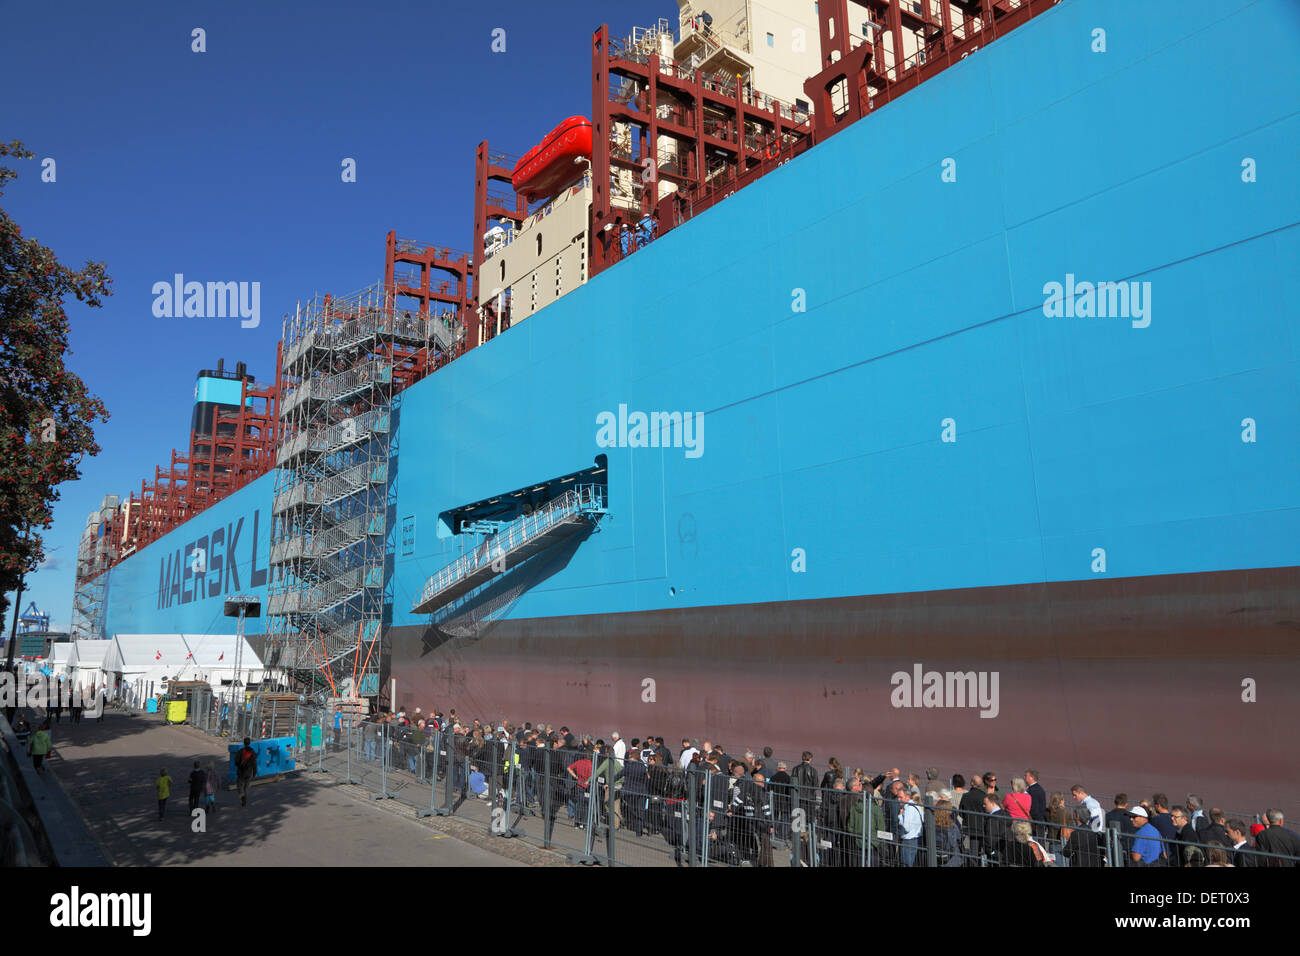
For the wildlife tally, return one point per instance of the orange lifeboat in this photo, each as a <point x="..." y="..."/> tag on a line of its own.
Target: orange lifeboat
<point x="553" y="163"/>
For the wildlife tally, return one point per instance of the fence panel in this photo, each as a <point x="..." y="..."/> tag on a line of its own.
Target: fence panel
<point x="597" y="809"/>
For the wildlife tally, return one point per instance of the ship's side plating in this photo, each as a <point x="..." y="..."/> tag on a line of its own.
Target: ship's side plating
<point x="1093" y="533"/>
<point x="1100" y="534"/>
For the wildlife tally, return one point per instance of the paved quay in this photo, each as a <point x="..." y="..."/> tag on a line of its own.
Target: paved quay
<point x="306" y="819"/>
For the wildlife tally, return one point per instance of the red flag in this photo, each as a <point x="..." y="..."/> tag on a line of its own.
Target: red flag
<point x="157" y="655"/>
<point x="189" y="656"/>
<point x="222" y="657"/>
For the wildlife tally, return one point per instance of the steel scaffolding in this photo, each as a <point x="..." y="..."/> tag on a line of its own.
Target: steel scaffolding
<point x="344" y="358"/>
<point x="97" y="552"/>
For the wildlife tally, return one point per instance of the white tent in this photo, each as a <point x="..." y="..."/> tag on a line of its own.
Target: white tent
<point x="214" y="660"/>
<point x="142" y="663"/>
<point x="89" y="670"/>
<point x="62" y="659"/>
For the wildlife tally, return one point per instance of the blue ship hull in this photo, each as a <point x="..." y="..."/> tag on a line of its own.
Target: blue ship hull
<point x="911" y="455"/>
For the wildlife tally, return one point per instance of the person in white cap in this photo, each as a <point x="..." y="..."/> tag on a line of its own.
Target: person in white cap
<point x="1147" y="850"/>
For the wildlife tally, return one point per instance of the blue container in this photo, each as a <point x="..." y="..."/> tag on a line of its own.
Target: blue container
<point x="151" y="705"/>
<point x="274" y="755"/>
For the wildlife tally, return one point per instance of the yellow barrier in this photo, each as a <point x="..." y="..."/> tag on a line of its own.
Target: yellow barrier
<point x="176" y="711"/>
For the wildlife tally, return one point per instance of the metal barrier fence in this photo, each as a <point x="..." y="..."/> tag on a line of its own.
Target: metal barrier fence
<point x="596" y="808"/>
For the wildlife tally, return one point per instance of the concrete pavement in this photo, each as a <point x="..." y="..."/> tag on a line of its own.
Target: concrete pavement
<point x="109" y="770"/>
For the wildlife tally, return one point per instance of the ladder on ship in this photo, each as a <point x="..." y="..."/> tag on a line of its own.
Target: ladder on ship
<point x="513" y="544"/>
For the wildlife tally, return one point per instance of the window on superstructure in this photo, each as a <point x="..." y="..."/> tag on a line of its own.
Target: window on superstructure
<point x="771" y="40"/>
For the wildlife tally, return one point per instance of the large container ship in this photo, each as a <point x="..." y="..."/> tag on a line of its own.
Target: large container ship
<point x="926" y="394"/>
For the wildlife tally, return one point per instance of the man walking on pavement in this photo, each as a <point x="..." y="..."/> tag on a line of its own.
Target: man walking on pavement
<point x="245" y="770"/>
<point x="198" y="780"/>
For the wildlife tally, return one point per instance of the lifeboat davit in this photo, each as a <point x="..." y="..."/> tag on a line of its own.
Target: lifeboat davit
<point x="553" y="163"/>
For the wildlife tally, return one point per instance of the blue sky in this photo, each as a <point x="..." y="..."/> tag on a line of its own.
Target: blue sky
<point x="225" y="166"/>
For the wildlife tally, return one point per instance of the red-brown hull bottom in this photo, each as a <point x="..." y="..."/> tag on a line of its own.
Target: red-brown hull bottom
<point x="1133" y="684"/>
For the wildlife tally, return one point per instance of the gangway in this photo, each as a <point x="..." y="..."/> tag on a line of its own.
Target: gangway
<point x="515" y="543"/>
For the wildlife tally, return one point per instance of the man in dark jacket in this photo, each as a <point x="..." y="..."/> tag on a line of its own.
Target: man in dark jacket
<point x="636" y="791"/>
<point x="532" y="769"/>
<point x="1239" y="834"/>
<point x="1184" y="836"/>
<point x="1119" y="813"/>
<point x="1276" y="838"/>
<point x="665" y="755"/>
<point x="779" y="786"/>
<point x="245" y="769"/>
<point x="1037" y="801"/>
<point x="997" y="830"/>
<point x="558" y="763"/>
<point x="1083" y="846"/>
<point x="1120" y="819"/>
<point x="1215" y="834"/>
<point x="804" y="799"/>
<point x="198" y="780"/>
<point x="743" y="808"/>
<point x="972" y="821"/>
<point x="804" y="783"/>
<point x="657" y="777"/>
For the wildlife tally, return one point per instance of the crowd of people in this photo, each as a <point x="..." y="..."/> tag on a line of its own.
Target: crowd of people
<point x="745" y="805"/>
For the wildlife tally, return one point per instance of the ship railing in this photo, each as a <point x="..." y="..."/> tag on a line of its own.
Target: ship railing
<point x="720" y="129"/>
<point x="629" y="150"/>
<point x="627" y="91"/>
<point x="502" y="199"/>
<point x="718" y="83"/>
<point x="582" y="499"/>
<point x="673" y="114"/>
<point x="411" y="278"/>
<point x="669" y="162"/>
<point x="501" y="159"/>
<point x="412" y="247"/>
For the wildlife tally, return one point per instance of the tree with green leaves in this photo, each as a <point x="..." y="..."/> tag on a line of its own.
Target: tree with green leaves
<point x="46" y="412"/>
